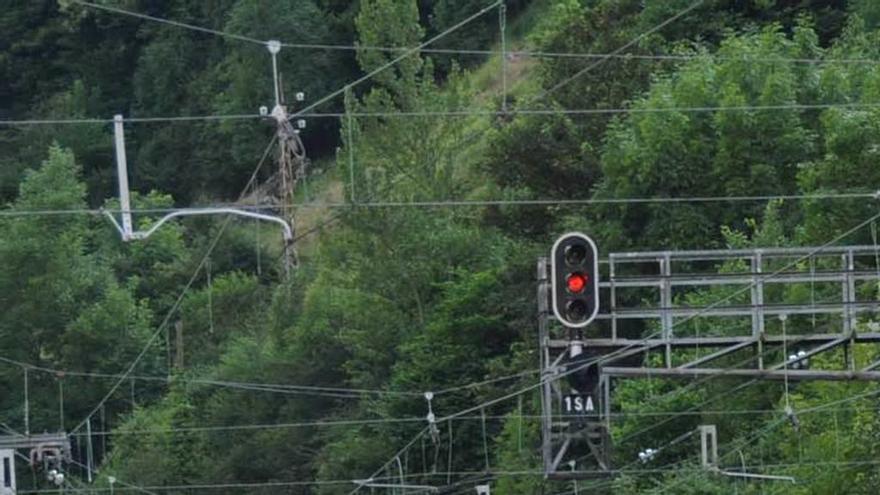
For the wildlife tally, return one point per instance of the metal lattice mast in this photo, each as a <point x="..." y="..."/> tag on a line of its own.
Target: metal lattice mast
<point x="292" y="159"/>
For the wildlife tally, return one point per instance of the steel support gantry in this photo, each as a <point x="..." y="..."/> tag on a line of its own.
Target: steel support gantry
<point x="776" y="309"/>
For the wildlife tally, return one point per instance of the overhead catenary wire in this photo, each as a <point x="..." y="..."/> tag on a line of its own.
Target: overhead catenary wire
<point x="596" y="111"/>
<point x="194" y="486"/>
<point x="619" y="50"/>
<point x="357" y="47"/>
<point x="343" y="482"/>
<point x="781" y="419"/>
<point x="740" y="442"/>
<point x="672" y="415"/>
<point x="419" y="419"/>
<point x="129" y="120"/>
<point x="393" y="62"/>
<point x="335" y="391"/>
<point x="476" y="203"/>
<point x="126" y="485"/>
<point x="360" y="483"/>
<point x="475" y="408"/>
<point x="192" y="27"/>
<point x="487" y="112"/>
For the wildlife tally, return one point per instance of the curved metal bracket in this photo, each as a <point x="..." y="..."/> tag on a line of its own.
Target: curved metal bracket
<point x="189" y="212"/>
<point x="126" y="229"/>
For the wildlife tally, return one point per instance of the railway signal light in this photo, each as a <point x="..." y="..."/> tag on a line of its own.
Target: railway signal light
<point x="575" y="271"/>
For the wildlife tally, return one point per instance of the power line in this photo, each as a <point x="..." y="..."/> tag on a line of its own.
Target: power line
<point x="265" y="426"/>
<point x="632" y="42"/>
<point x="486" y="382"/>
<point x="782" y="419"/>
<point x="355" y="47"/>
<point x="117" y="10"/>
<point x="393" y="62"/>
<point x="461" y="113"/>
<point x="342" y="392"/>
<point x="14" y="213"/>
<point x="594" y="201"/>
<point x="128" y="486"/>
<point x="214" y="486"/>
<point x="130" y="120"/>
<point x="593" y="111"/>
<point x="256" y="386"/>
<point x="672" y="415"/>
<point x="419" y="419"/>
<point x="395" y="456"/>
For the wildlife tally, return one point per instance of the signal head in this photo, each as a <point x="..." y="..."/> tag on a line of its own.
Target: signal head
<point x="575" y="279"/>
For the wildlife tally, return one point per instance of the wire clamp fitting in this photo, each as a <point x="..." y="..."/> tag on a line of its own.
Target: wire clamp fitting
<point x="792" y="417"/>
<point x="432" y="419"/>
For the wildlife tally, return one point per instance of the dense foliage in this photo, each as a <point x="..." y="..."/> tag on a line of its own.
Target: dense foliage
<point x="390" y="302"/>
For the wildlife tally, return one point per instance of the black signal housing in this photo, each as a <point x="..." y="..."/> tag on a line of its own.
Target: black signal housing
<point x="574" y="257"/>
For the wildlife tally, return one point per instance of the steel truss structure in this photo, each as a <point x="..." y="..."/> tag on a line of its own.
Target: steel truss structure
<point x="770" y="311"/>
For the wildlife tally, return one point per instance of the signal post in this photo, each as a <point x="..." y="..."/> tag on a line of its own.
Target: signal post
<point x="574" y="398"/>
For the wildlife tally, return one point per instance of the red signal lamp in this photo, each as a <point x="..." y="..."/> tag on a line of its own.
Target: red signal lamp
<point x="576" y="282"/>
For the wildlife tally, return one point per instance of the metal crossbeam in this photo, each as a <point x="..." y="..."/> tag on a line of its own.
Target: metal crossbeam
<point x="724" y="254"/>
<point x="867" y="337"/>
<point x="34" y="441"/>
<point x="744" y="373"/>
<point x="723" y="352"/>
<point x="741" y="310"/>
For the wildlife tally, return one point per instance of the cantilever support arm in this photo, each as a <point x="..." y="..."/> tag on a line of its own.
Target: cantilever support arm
<point x="767" y="477"/>
<point x="143" y="234"/>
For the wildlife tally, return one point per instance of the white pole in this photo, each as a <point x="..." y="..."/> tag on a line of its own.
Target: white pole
<point x="122" y="177"/>
<point x="274" y="47"/>
<point x="7" y="472"/>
